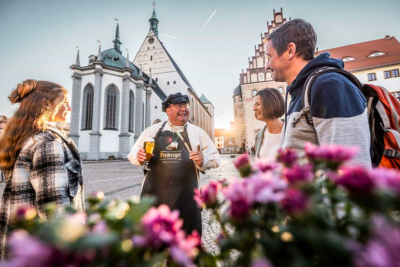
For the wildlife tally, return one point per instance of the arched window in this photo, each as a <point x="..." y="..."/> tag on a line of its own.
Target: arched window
<point x="155" y="65"/>
<point x="167" y="63"/>
<point x="155" y="56"/>
<point x="145" y="58"/>
<point x="161" y="55"/>
<point x="161" y="64"/>
<point x="87" y="111"/>
<point x="139" y="58"/>
<point x="131" y="111"/>
<point x="111" y="108"/>
<point x="145" y="66"/>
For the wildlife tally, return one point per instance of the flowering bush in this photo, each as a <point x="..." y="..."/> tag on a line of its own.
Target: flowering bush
<point x="109" y="233"/>
<point x="314" y="211"/>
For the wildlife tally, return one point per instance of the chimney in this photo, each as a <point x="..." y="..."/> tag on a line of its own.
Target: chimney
<point x="387" y="37"/>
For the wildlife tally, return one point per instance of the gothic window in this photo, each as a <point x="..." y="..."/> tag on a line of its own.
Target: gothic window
<point x="87" y="111"/>
<point x="145" y="66"/>
<point x="161" y="55"/>
<point x="155" y="56"/>
<point x="131" y="111"/>
<point x="145" y="57"/>
<point x="155" y="65"/>
<point x="161" y="64"/>
<point x="139" y="58"/>
<point x="111" y="98"/>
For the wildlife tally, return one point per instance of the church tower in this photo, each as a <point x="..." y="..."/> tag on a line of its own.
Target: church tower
<point x="155" y="60"/>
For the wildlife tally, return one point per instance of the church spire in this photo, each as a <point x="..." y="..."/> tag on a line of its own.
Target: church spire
<point x="154" y="21"/>
<point x="117" y="42"/>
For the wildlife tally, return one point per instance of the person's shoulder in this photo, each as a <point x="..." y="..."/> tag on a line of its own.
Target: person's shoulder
<point x="333" y="79"/>
<point x="38" y="140"/>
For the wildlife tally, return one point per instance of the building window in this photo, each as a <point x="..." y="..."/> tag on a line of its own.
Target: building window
<point x="395" y="73"/>
<point x="174" y="82"/>
<point x="387" y="74"/>
<point x="131" y="111"/>
<point x="148" y="48"/>
<point x="167" y="83"/>
<point x="87" y="116"/>
<point x="156" y="79"/>
<point x="396" y="95"/>
<point x="111" y="108"/>
<point x="254" y="93"/>
<point x="240" y="98"/>
<point x="371" y="77"/>
<point x="280" y="90"/>
<point x="151" y="58"/>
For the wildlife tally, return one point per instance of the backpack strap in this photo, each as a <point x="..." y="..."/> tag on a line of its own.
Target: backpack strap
<point x="306" y="93"/>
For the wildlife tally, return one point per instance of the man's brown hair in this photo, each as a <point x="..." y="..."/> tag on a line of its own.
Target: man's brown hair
<point x="299" y="32"/>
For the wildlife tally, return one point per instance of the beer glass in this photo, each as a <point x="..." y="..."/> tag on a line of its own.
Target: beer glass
<point x="148" y="148"/>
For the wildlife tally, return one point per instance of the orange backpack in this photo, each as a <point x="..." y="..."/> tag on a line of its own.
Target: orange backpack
<point x="383" y="116"/>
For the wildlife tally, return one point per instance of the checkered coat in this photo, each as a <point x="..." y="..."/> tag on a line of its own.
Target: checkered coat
<point x="48" y="169"/>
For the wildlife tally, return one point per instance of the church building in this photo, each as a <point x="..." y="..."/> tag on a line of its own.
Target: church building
<point x="245" y="126"/>
<point x="114" y="100"/>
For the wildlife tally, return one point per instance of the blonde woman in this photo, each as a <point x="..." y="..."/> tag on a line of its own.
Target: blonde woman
<point x="41" y="164"/>
<point x="269" y="108"/>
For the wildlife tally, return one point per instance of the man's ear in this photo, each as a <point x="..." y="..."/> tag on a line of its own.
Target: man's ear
<point x="291" y="49"/>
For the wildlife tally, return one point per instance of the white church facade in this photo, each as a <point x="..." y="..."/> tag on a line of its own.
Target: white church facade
<point x="114" y="100"/>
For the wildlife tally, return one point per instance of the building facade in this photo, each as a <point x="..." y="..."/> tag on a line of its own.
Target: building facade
<point x="254" y="78"/>
<point x="114" y="100"/>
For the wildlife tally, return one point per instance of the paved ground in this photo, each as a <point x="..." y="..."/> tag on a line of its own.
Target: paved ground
<point x="120" y="179"/>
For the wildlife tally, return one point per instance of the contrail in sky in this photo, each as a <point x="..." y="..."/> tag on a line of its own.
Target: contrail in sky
<point x="169" y="36"/>
<point x="208" y="20"/>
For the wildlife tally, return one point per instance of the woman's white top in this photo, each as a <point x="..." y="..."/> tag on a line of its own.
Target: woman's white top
<point x="270" y="145"/>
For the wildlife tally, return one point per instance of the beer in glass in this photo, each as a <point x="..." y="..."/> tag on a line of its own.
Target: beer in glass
<point x="148" y="146"/>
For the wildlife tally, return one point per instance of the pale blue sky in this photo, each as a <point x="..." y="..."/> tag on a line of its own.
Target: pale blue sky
<point x="38" y="37"/>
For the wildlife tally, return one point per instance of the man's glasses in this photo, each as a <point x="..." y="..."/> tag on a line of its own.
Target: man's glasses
<point x="180" y="106"/>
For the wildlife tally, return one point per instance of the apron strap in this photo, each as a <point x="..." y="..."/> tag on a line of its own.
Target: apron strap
<point x="160" y="130"/>
<point x="186" y="136"/>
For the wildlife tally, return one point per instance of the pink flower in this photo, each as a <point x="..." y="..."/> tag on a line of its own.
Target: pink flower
<point x="207" y="195"/>
<point x="265" y="165"/>
<point x="295" y="202"/>
<point x="242" y="163"/>
<point x="25" y="213"/>
<point x="160" y="227"/>
<point x="100" y="228"/>
<point x="286" y="156"/>
<point x="186" y="248"/>
<point x="261" y="262"/>
<point x="382" y="250"/>
<point x="356" y="180"/>
<point x="266" y="187"/>
<point x="299" y="173"/>
<point x="387" y="179"/>
<point x="331" y="155"/>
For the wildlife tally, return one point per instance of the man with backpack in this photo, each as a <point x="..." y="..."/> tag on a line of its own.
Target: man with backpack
<point x="337" y="112"/>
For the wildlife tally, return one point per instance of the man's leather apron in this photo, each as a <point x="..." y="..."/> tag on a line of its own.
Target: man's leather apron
<point x="172" y="179"/>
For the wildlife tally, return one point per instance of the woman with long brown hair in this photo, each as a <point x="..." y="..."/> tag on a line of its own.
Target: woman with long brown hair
<point x="40" y="163"/>
<point x="269" y="108"/>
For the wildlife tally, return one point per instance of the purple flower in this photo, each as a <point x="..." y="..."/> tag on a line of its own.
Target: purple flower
<point x="387" y="179"/>
<point x="160" y="227"/>
<point x="25" y="250"/>
<point x="382" y="250"/>
<point x="261" y="262"/>
<point x="207" y="195"/>
<point x="286" y="156"/>
<point x="299" y="173"/>
<point x="331" y="155"/>
<point x="295" y="202"/>
<point x="356" y="180"/>
<point x="241" y="199"/>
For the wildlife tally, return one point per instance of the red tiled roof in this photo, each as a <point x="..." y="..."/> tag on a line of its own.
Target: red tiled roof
<point x="390" y="46"/>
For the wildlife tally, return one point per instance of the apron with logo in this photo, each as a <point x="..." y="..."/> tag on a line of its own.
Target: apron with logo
<point x="172" y="178"/>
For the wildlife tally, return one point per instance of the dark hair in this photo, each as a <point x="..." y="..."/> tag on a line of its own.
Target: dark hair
<point x="272" y="104"/>
<point x="299" y="32"/>
<point x="29" y="119"/>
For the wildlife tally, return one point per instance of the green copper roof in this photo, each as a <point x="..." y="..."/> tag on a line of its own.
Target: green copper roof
<point x="111" y="57"/>
<point x="204" y="100"/>
<point x="154" y="16"/>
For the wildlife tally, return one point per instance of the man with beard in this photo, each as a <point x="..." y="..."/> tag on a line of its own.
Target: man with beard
<point x="338" y="109"/>
<point x="181" y="151"/>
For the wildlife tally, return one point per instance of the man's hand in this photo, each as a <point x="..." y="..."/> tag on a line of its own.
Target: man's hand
<point x="197" y="157"/>
<point x="141" y="156"/>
